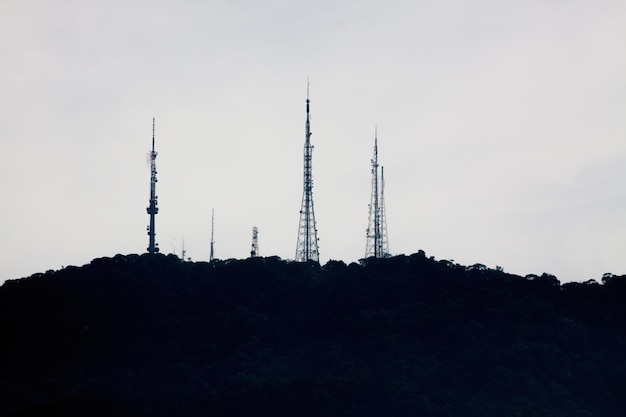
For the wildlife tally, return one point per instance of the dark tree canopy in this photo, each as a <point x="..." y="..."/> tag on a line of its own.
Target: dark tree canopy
<point x="150" y="335"/>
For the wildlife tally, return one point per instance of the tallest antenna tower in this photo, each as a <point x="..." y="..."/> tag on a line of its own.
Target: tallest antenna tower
<point x="307" y="249"/>
<point x="152" y="208"/>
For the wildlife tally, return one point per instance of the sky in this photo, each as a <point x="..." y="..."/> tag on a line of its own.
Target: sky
<point x="501" y="127"/>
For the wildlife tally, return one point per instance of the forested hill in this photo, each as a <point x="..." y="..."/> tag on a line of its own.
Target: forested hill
<point x="150" y="335"/>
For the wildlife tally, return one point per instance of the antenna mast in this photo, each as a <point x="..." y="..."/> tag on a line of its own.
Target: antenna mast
<point x="211" y="255"/>
<point x="254" y="252"/>
<point x="376" y="233"/>
<point x="307" y="246"/>
<point x="152" y="208"/>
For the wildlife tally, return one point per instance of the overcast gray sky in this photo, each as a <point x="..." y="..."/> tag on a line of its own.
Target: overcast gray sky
<point x="501" y="127"/>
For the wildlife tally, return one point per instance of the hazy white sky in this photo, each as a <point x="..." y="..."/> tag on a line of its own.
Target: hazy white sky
<point x="501" y="126"/>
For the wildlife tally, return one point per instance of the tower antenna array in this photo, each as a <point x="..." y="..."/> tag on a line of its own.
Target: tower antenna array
<point x="376" y="234"/>
<point x="152" y="209"/>
<point x="307" y="246"/>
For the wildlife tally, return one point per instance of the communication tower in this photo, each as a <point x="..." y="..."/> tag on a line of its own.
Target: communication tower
<point x="307" y="247"/>
<point x="376" y="234"/>
<point x="211" y="254"/>
<point x="152" y="209"/>
<point x="254" y="251"/>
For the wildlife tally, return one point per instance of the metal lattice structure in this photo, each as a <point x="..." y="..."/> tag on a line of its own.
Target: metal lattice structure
<point x="307" y="247"/>
<point x="377" y="244"/>
<point x="153" y="208"/>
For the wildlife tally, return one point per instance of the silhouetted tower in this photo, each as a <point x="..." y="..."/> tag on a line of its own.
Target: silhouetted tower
<point x="307" y="248"/>
<point x="212" y="254"/>
<point x="254" y="251"/>
<point x="376" y="233"/>
<point x="152" y="209"/>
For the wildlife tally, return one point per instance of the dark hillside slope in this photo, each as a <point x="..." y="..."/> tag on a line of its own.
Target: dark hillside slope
<point x="406" y="336"/>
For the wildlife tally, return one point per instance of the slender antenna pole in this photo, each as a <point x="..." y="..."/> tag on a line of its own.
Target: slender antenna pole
<point x="376" y="197"/>
<point x="152" y="209"/>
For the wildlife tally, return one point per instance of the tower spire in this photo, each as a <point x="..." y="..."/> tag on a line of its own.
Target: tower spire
<point x="376" y="233"/>
<point x="152" y="209"/>
<point x="307" y="247"/>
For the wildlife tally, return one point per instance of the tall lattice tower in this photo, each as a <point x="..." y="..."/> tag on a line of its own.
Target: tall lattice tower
<point x="307" y="248"/>
<point x="254" y="250"/>
<point x="152" y="209"/>
<point x="376" y="234"/>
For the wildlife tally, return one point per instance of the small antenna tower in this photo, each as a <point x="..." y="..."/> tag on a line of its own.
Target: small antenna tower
<point x="307" y="247"/>
<point x="212" y="253"/>
<point x="254" y="251"/>
<point x="152" y="209"/>
<point x="183" y="252"/>
<point x="376" y="233"/>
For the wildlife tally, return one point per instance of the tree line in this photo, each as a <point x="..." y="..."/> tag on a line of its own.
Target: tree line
<point x="149" y="335"/>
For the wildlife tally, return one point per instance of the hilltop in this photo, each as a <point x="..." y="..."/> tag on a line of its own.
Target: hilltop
<point x="149" y="335"/>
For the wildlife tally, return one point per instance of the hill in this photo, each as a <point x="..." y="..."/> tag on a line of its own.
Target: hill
<point x="150" y="335"/>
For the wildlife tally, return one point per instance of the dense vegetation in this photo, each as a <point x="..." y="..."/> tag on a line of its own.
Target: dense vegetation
<point x="150" y="335"/>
